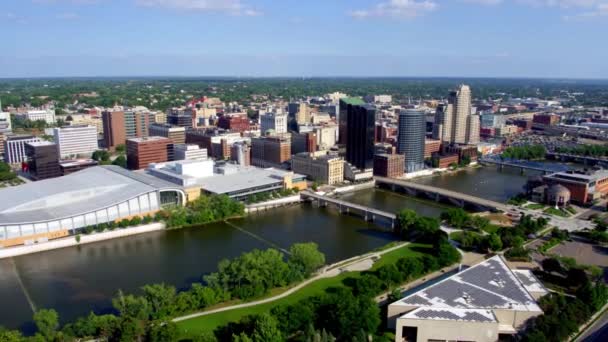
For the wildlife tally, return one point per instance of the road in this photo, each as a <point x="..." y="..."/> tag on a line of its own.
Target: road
<point x="598" y="332"/>
<point x="362" y="263"/>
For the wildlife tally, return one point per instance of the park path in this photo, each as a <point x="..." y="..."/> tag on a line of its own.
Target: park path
<point x="358" y="263"/>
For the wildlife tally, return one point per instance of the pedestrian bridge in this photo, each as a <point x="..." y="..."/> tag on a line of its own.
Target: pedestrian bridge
<point x="367" y="213"/>
<point x="437" y="194"/>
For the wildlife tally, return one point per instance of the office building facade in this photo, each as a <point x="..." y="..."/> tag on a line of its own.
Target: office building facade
<point x="234" y="122"/>
<point x="143" y="151"/>
<point x="389" y="165"/>
<point x="46" y="115"/>
<point x="240" y="152"/>
<point x="5" y="122"/>
<point x="303" y="142"/>
<point x="76" y="140"/>
<point x="324" y="169"/>
<point x="271" y="151"/>
<point x="189" y="152"/>
<point x="118" y="126"/>
<point x="345" y="105"/>
<point x="454" y="122"/>
<point x="411" y="139"/>
<point x="42" y="160"/>
<point x="14" y="148"/>
<point x="273" y="121"/>
<point x="360" y="125"/>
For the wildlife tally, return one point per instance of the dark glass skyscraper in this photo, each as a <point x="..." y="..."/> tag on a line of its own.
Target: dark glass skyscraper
<point x="360" y="125"/>
<point x="410" y="139"/>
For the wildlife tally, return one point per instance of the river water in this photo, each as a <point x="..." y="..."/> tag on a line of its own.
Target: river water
<point x="79" y="279"/>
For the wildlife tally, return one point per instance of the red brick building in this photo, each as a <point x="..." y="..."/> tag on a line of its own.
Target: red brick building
<point x="234" y="122"/>
<point x="584" y="187"/>
<point x="431" y="146"/>
<point x="444" y="161"/>
<point x="546" y="119"/>
<point x="389" y="165"/>
<point x="143" y="151"/>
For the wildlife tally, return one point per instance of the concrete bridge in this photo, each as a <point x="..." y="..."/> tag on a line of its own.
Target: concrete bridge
<point x="437" y="194"/>
<point x="367" y="213"/>
<point x="501" y="165"/>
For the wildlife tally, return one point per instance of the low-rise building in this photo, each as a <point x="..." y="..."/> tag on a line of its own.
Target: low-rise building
<point x="144" y="151"/>
<point x="303" y="142"/>
<point x="46" y="115"/>
<point x="485" y="303"/>
<point x="322" y="168"/>
<point x="389" y="165"/>
<point x="431" y="146"/>
<point x="234" y="122"/>
<point x="443" y="161"/>
<point x="5" y="122"/>
<point x="584" y="187"/>
<point x="546" y="119"/>
<point x="76" y="140"/>
<point x="42" y="160"/>
<point x="70" y="166"/>
<point x="240" y="153"/>
<point x="189" y="152"/>
<point x="14" y="148"/>
<point x="271" y="151"/>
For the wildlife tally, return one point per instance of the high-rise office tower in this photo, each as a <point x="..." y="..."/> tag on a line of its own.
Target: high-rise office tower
<point x="410" y="138"/>
<point x="118" y="126"/>
<point x="360" y="125"/>
<point x="344" y="106"/>
<point x="454" y="122"/>
<point x="14" y="148"/>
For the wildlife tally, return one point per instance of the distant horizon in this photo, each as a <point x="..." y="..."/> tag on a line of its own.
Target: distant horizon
<point x="303" y="78"/>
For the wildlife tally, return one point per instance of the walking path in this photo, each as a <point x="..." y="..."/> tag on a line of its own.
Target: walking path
<point x="361" y="263"/>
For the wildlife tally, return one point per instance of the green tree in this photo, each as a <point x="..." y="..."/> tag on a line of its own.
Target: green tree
<point x="120" y="161"/>
<point x="406" y="219"/>
<point x="265" y="329"/>
<point x="47" y="322"/>
<point x="131" y="306"/>
<point x="494" y="242"/>
<point x="10" y="335"/>
<point x="161" y="299"/>
<point x="305" y="258"/>
<point x="167" y="331"/>
<point x="120" y="149"/>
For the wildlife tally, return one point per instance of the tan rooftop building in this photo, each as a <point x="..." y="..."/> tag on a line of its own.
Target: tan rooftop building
<point x="484" y="303"/>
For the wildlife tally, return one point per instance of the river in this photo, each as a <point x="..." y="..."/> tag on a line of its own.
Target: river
<point x="79" y="279"/>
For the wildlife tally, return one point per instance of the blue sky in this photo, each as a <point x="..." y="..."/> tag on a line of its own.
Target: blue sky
<point x="486" y="38"/>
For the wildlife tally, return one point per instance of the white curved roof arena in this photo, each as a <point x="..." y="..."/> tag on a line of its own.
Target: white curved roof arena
<point x="81" y="192"/>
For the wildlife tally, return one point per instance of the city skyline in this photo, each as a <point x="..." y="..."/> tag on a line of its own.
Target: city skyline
<point x="474" y="38"/>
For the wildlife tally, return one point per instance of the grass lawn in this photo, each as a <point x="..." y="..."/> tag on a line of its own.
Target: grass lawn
<point x="535" y="206"/>
<point x="557" y="212"/>
<point x="491" y="228"/>
<point x="198" y="325"/>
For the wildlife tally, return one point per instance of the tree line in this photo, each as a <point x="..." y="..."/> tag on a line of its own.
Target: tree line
<point x="147" y="316"/>
<point x="584" y="150"/>
<point x="526" y="152"/>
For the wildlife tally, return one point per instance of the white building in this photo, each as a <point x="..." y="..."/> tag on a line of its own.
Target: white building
<point x="186" y="173"/>
<point x="486" y="303"/>
<point x="189" y="152"/>
<point x="46" y="115"/>
<point x="326" y="136"/>
<point x="5" y="122"/>
<point x="273" y="121"/>
<point x="14" y="148"/>
<point x="76" y="140"/>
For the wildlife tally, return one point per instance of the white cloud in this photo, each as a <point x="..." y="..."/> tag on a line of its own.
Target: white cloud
<point x="68" y="16"/>
<point x="398" y="9"/>
<point x="16" y="18"/>
<point x="231" y="7"/>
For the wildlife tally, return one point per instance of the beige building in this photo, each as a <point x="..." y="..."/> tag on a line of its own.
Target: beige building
<point x="484" y="303"/>
<point x="303" y="114"/>
<point x="322" y="168"/>
<point x="326" y="136"/>
<point x="454" y="122"/>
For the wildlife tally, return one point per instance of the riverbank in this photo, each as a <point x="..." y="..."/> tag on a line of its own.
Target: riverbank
<point x="70" y="241"/>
